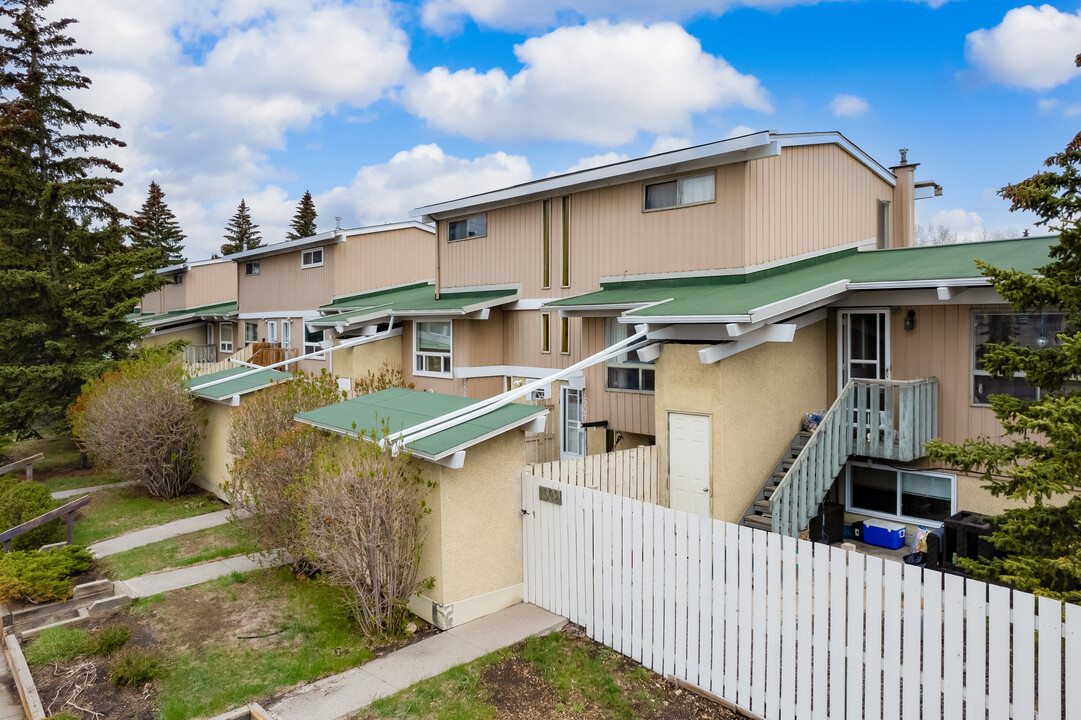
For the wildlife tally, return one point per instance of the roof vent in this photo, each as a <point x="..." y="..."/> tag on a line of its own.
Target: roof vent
<point x="904" y="156"/>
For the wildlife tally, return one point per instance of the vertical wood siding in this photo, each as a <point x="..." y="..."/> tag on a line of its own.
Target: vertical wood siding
<point x="626" y="411"/>
<point x="378" y="260"/>
<point x="209" y="284"/>
<point x="282" y="285"/>
<point x="810" y="198"/>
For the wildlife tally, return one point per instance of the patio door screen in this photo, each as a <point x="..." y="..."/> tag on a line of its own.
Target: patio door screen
<point x="864" y="345"/>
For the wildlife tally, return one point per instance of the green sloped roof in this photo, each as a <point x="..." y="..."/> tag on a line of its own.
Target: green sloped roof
<point x="740" y="294"/>
<point x="402" y="409"/>
<point x="240" y="386"/>
<point x="418" y="300"/>
<point x="224" y="308"/>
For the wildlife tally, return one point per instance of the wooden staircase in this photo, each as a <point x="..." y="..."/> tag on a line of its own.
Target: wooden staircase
<point x="758" y="512"/>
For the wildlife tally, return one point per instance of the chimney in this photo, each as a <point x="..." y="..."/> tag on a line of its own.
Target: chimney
<point x="904" y="202"/>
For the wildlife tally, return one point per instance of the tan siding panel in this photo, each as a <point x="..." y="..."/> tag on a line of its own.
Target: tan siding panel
<point x="282" y="285"/>
<point x="384" y="259"/>
<point x="209" y="284"/>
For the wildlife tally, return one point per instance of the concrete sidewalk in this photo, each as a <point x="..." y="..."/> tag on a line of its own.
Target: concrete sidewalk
<point x="156" y="534"/>
<point x="340" y="696"/>
<point x="61" y="494"/>
<point x="10" y="707"/>
<point x="159" y="582"/>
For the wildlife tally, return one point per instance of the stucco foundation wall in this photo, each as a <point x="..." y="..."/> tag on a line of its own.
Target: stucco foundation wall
<point x="195" y="335"/>
<point x="357" y="361"/>
<point x="214" y="447"/>
<point x="431" y="556"/>
<point x="755" y="401"/>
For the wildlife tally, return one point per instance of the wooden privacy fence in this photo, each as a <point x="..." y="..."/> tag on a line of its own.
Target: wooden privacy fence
<point x="627" y="473"/>
<point x="784" y="628"/>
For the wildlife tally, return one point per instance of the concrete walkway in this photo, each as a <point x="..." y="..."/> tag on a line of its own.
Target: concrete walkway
<point x="340" y="696"/>
<point x="10" y="707"/>
<point x="159" y="582"/>
<point x="62" y="494"/>
<point x="161" y="532"/>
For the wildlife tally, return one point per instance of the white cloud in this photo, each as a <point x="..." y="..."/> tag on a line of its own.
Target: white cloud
<point x="668" y="143"/>
<point x="204" y="89"/>
<point x="848" y="105"/>
<point x="593" y="161"/>
<point x="1031" y="48"/>
<point x="597" y="83"/>
<point x="446" y="16"/>
<point x="416" y="177"/>
<point x="739" y="131"/>
<point x="1046" y="105"/>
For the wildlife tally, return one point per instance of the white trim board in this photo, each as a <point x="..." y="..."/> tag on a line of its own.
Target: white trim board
<point x="304" y="315"/>
<point x="482" y="371"/>
<point x="447" y="616"/>
<point x="384" y="288"/>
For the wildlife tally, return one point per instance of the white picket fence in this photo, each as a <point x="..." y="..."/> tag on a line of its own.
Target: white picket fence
<point x="784" y="628"/>
<point x="628" y="473"/>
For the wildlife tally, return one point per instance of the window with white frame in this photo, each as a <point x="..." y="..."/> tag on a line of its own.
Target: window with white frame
<point x="474" y="226"/>
<point x="432" y="348"/>
<point x="915" y="496"/>
<point x="311" y="258"/>
<point x="272" y="331"/>
<point x="1033" y="330"/>
<point x="209" y="333"/>
<point x="287" y="334"/>
<point x="690" y="190"/>
<point x="225" y="336"/>
<point x="251" y="267"/>
<point x="626" y="371"/>
<point x="313" y="342"/>
<point x="251" y="333"/>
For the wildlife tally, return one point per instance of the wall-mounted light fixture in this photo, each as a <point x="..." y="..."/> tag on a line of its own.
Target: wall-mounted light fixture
<point x="910" y="320"/>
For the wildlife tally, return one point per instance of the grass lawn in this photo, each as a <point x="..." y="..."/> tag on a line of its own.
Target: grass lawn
<point x="60" y="452"/>
<point x="216" y="542"/>
<point x="560" y="675"/>
<point x="58" y="483"/>
<point x="120" y="510"/>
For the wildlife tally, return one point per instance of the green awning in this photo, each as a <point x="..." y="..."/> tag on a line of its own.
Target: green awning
<point x="739" y="295"/>
<point x="416" y="300"/>
<point x="200" y="312"/>
<point x="240" y="386"/>
<point x="400" y="409"/>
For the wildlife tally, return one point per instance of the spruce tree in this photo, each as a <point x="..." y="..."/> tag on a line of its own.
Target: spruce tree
<point x="303" y="224"/>
<point x="1039" y="545"/>
<point x="241" y="233"/>
<point x="67" y="283"/>
<point x="156" y="228"/>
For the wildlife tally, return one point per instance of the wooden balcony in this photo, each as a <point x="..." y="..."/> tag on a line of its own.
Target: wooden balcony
<point x="264" y="354"/>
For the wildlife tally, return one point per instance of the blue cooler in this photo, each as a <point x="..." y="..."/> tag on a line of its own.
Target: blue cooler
<point x="884" y="534"/>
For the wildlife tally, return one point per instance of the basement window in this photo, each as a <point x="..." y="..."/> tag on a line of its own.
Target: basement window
<point x="691" y="190"/>
<point x="911" y="496"/>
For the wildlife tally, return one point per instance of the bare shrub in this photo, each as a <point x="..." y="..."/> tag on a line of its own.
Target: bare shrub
<point x="363" y="528"/>
<point x="141" y="422"/>
<point x="388" y="376"/>
<point x="272" y="453"/>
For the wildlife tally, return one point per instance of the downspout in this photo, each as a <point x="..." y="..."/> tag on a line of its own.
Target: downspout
<point x="438" y="256"/>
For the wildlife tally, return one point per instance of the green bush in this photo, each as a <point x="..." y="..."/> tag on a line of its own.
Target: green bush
<point x="41" y="576"/>
<point x="134" y="667"/>
<point x="21" y="501"/>
<point x="58" y="644"/>
<point x="108" y="639"/>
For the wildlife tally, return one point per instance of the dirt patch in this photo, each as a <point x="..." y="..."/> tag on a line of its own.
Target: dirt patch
<point x="195" y="617"/>
<point x="41" y="475"/>
<point x="82" y="686"/>
<point x="518" y="692"/>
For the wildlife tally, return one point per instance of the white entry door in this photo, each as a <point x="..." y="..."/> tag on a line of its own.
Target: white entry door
<point x="863" y="345"/>
<point x="573" y="435"/>
<point x="689" y="459"/>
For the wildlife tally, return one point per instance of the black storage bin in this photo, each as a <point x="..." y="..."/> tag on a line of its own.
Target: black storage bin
<point x="834" y="514"/>
<point x="964" y="535"/>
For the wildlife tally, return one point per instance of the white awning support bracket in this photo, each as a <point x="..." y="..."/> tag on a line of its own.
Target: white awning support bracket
<point x="771" y="333"/>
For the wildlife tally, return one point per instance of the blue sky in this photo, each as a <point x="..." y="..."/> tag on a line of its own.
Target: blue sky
<point x="378" y="107"/>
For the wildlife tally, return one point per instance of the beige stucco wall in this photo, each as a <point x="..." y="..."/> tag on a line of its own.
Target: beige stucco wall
<point x="214" y="447"/>
<point x="195" y="335"/>
<point x="755" y="401"/>
<point x="474" y="542"/>
<point x="357" y="361"/>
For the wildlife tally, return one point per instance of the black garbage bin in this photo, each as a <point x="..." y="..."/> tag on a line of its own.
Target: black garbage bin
<point x="833" y="515"/>
<point x="965" y="535"/>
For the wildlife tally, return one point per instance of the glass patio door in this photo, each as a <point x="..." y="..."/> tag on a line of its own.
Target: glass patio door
<point x="864" y="350"/>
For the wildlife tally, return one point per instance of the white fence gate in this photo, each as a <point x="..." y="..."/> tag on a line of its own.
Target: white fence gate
<point x="784" y="628"/>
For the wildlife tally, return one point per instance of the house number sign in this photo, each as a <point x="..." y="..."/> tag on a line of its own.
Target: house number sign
<point x="551" y="495"/>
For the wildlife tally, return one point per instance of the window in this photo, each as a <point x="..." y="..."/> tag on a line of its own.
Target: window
<point x="626" y="371"/>
<point x="432" y="349"/>
<point x="178" y="279"/>
<point x="287" y="334"/>
<point x="546" y="332"/>
<point x="565" y="277"/>
<point x="883" y="237"/>
<point x="272" y="331"/>
<point x="251" y="267"/>
<point x="209" y="334"/>
<point x="546" y="244"/>
<point x="311" y="258"/>
<point x="1034" y="330"/>
<point x="565" y="335"/>
<point x="251" y="333"/>
<point x="470" y="227"/>
<point x="681" y="191"/>
<point x="313" y="342"/>
<point x="226" y="336"/>
<point x="906" y="495"/>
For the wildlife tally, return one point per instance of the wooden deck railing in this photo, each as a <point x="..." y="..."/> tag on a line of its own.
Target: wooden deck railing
<point x="885" y="419"/>
<point x="26" y="462"/>
<point x="200" y="353"/>
<point x="65" y="511"/>
<point x="272" y="353"/>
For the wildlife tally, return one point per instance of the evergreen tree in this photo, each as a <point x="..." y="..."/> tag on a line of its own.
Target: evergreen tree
<point x="1039" y="545"/>
<point x="303" y="224"/>
<point x="241" y="233"/>
<point x="156" y="228"/>
<point x="67" y="282"/>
